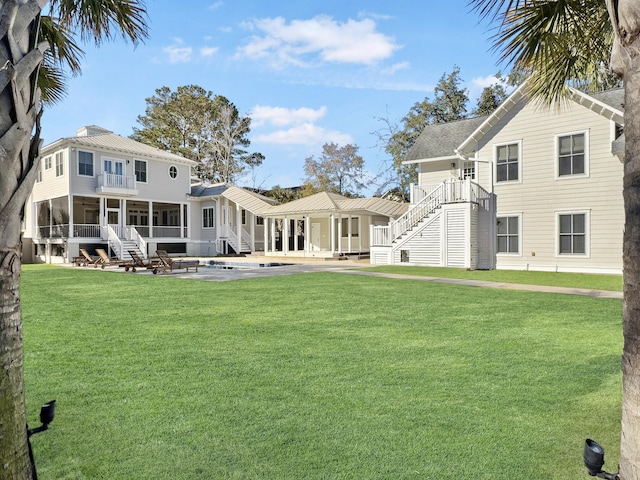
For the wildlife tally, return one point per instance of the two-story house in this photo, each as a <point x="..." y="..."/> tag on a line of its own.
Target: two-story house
<point x="528" y="187"/>
<point x="102" y="190"/>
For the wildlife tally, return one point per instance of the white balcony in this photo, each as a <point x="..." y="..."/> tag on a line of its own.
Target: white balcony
<point x="112" y="184"/>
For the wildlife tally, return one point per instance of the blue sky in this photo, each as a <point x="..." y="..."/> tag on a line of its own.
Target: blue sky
<point x="307" y="72"/>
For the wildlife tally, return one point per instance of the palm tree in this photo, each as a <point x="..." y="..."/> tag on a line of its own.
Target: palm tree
<point x="33" y="51"/>
<point x="565" y="42"/>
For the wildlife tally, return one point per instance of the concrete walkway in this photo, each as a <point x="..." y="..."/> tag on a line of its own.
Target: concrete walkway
<point x="249" y="267"/>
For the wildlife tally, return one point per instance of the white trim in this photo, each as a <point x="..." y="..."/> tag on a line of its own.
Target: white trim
<point x="114" y="161"/>
<point x="93" y="160"/>
<point x="587" y="233"/>
<point x="429" y="160"/>
<point x="495" y="162"/>
<point x="556" y="155"/>
<point x="517" y="215"/>
<point x="146" y="163"/>
<point x="61" y="163"/>
<point x="214" y="218"/>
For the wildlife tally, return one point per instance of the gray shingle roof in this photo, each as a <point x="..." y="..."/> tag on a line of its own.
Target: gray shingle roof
<point x="441" y="140"/>
<point x="613" y="98"/>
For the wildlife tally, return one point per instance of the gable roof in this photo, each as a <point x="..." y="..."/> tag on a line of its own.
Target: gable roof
<point x="603" y="103"/>
<point x="439" y="141"/>
<point x="251" y="201"/>
<point x="325" y="202"/>
<point x="101" y="139"/>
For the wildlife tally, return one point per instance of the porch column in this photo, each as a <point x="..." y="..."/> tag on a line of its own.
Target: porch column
<point x="150" y="219"/>
<point x="181" y="220"/>
<point x="340" y="233"/>
<point x="265" y="234"/>
<point x="285" y="235"/>
<point x="252" y="230"/>
<point x="70" y="205"/>
<point x="295" y="235"/>
<point x="332" y="231"/>
<point x="307" y="234"/>
<point x="123" y="215"/>
<point x="360" y="235"/>
<point x="273" y="234"/>
<point x="239" y="226"/>
<point x="349" y="233"/>
<point x="50" y="219"/>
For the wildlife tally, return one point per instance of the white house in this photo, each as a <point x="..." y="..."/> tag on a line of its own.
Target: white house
<point x="101" y="190"/>
<point x="528" y="187"/>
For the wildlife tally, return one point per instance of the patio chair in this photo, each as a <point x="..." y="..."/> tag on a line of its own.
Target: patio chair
<point x="105" y="260"/>
<point x="84" y="259"/>
<point x="170" y="264"/>
<point x="138" y="262"/>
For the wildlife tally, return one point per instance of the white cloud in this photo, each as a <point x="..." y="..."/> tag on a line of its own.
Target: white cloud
<point x="178" y="52"/>
<point x="216" y="6"/>
<point x="320" y="38"/>
<point x="280" y="116"/>
<point x="483" y="82"/>
<point x="304" y="134"/>
<point x="208" y="51"/>
<point x="396" y="67"/>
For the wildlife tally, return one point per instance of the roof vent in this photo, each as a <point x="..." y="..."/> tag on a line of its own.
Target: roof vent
<point x="91" y="130"/>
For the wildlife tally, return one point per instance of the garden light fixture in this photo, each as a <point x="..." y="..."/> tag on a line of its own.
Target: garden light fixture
<point x="594" y="460"/>
<point x="46" y="417"/>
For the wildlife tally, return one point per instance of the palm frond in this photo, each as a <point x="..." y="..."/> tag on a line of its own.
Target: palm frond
<point x="98" y="20"/>
<point x="557" y="42"/>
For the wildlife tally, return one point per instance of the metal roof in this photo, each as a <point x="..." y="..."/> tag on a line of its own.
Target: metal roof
<point x="328" y="203"/>
<point x="110" y="141"/>
<point x="251" y="201"/>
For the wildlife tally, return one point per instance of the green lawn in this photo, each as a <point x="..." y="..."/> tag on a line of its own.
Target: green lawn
<point x="575" y="280"/>
<point x="315" y="376"/>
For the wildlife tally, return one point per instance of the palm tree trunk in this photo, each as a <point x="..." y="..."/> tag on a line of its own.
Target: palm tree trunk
<point x="625" y="61"/>
<point x="20" y="57"/>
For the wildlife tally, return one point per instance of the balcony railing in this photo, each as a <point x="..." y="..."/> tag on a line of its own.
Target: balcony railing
<point x="113" y="181"/>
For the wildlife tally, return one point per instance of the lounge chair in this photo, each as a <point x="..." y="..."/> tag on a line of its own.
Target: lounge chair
<point x="105" y="260"/>
<point x="138" y="262"/>
<point x="84" y="259"/>
<point x="170" y="264"/>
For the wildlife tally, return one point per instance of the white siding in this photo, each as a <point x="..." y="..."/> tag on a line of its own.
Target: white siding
<point x="540" y="194"/>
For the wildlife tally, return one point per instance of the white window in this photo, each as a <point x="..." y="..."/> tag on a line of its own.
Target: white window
<point x="508" y="234"/>
<point x="47" y="163"/>
<point x="141" y="171"/>
<point x="259" y="220"/>
<point x="59" y="165"/>
<point x="173" y="171"/>
<point x="572" y="157"/>
<point x="114" y="167"/>
<point x="85" y="163"/>
<point x="508" y="162"/>
<point x="209" y="217"/>
<point x="354" y="227"/>
<point x="573" y="233"/>
<point x="469" y="170"/>
<point x="39" y="175"/>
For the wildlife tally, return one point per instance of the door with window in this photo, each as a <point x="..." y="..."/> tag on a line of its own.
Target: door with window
<point x="115" y="171"/>
<point x="113" y="220"/>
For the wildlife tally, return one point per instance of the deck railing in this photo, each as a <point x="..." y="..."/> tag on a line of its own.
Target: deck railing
<point x="429" y="198"/>
<point x="111" y="180"/>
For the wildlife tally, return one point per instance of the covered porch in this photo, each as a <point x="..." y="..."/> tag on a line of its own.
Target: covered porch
<point x="77" y="221"/>
<point x="325" y="225"/>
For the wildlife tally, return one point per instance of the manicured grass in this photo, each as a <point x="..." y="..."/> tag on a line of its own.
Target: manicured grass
<point x="575" y="280"/>
<point x="316" y="376"/>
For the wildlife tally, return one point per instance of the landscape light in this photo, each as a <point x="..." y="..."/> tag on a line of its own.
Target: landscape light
<point x="47" y="412"/>
<point x="594" y="460"/>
